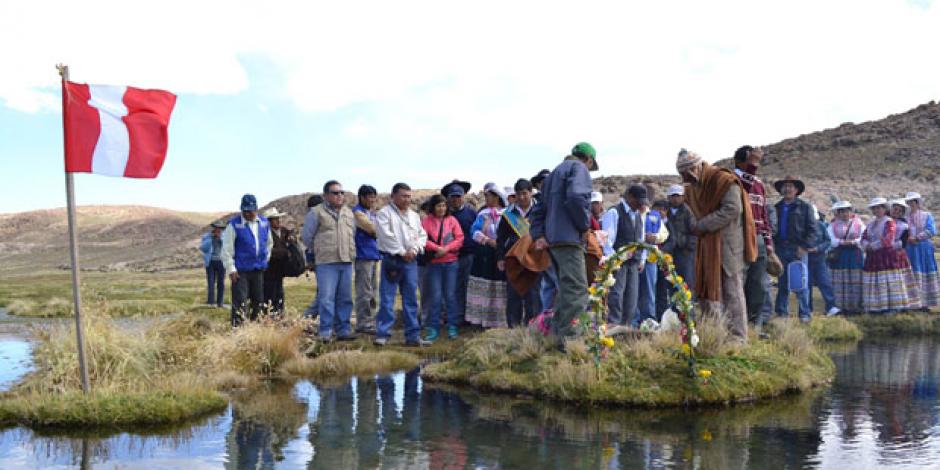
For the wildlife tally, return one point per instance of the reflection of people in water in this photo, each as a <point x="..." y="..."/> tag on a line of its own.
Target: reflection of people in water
<point x="262" y="425"/>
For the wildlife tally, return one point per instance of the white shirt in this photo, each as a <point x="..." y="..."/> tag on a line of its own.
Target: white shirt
<point x="399" y="233"/>
<point x="611" y="219"/>
<point x="228" y="244"/>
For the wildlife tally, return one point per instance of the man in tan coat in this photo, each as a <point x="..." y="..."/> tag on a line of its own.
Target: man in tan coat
<point x="726" y="233"/>
<point x="330" y="230"/>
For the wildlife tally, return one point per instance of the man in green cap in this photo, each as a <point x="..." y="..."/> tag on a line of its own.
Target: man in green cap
<point x="560" y="224"/>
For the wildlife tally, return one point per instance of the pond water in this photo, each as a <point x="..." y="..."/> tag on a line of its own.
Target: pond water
<point x="881" y="412"/>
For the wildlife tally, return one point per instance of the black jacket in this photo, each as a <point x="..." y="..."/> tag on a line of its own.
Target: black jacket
<point x="801" y="225"/>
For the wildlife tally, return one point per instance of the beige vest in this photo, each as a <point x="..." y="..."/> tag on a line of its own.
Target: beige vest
<point x="334" y="241"/>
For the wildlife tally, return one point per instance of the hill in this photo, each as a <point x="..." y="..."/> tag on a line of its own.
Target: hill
<point x="886" y="158"/>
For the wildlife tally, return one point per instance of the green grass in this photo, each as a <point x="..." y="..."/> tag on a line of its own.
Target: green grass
<point x="109" y="408"/>
<point x="833" y="329"/>
<point x="899" y="324"/>
<point x="640" y="372"/>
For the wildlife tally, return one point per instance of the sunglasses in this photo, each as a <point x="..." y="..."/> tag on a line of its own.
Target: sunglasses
<point x="338" y="193"/>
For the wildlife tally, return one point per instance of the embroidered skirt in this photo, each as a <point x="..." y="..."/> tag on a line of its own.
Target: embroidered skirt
<point x="888" y="283"/>
<point x="846" y="269"/>
<point x="924" y="265"/>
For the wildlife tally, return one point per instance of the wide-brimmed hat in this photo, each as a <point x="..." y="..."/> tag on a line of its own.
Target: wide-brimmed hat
<point x="675" y="190"/>
<point x="540" y="176"/>
<point x="902" y="203"/>
<point x="456" y="188"/>
<point x="841" y="205"/>
<point x="493" y="188"/>
<point x="913" y="196"/>
<point x="800" y="187"/>
<point x="273" y="213"/>
<point x="878" y="201"/>
<point x="218" y="224"/>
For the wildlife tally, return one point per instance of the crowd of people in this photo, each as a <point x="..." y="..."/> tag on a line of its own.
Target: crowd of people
<point x="532" y="249"/>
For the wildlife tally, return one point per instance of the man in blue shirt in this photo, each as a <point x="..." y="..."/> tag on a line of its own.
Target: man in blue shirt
<point x="465" y="214"/>
<point x="246" y="249"/>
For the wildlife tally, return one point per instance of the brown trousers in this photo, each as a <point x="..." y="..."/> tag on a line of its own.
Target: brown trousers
<point x="733" y="309"/>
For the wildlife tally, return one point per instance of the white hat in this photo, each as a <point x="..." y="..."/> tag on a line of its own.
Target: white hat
<point x="912" y="195"/>
<point x="841" y="205"/>
<point x="597" y="197"/>
<point x="509" y="190"/>
<point x="878" y="201"/>
<point x="493" y="188"/>
<point x="675" y="190"/>
<point x="272" y="213"/>
<point x="900" y="202"/>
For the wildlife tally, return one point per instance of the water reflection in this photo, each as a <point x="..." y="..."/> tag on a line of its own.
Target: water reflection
<point x="16" y="357"/>
<point x="881" y="411"/>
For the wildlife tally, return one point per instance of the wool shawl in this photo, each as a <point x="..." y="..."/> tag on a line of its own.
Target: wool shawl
<point x="705" y="198"/>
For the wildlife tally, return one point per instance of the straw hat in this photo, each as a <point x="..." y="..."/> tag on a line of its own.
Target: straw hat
<point x="841" y="205"/>
<point x="878" y="201"/>
<point x="902" y="203"/>
<point x="273" y="213"/>
<point x="912" y="196"/>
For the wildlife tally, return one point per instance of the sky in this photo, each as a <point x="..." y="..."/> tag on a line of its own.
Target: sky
<point x="275" y="98"/>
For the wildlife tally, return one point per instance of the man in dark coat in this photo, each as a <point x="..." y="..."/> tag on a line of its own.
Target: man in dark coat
<point x="465" y="214"/>
<point x="794" y="238"/>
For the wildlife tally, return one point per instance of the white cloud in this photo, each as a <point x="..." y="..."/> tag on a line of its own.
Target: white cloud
<point x="638" y="80"/>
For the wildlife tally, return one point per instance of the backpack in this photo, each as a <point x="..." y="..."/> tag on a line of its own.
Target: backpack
<point x="296" y="261"/>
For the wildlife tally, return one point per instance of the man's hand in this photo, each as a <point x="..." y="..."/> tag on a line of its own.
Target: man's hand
<point x="491" y="243"/>
<point x="440" y="252"/>
<point x="501" y="265"/>
<point x="233" y="277"/>
<point x="801" y="252"/>
<point x="409" y="256"/>
<point x="651" y="238"/>
<point x="541" y="244"/>
<point x="770" y="250"/>
<point x="641" y="267"/>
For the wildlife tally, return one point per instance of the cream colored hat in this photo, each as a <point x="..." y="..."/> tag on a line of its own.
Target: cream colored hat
<point x="597" y="197"/>
<point x="878" y="201"/>
<point x="841" y="205"/>
<point x="272" y="213"/>
<point x="675" y="190"/>
<point x="912" y="195"/>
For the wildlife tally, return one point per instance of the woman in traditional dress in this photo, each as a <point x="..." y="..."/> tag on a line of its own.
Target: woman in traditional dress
<point x="899" y="210"/>
<point x="884" y="288"/>
<point x="920" y="251"/>
<point x="846" y="258"/>
<point x="486" y="293"/>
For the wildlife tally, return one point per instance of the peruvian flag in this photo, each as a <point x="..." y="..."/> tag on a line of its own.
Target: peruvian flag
<point x="115" y="130"/>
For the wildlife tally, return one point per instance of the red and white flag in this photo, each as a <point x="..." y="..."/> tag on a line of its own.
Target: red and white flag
<point x="115" y="130"/>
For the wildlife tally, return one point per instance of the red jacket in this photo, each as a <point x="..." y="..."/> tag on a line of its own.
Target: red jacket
<point x="451" y="239"/>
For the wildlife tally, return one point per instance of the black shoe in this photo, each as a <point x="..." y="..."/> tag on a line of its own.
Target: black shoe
<point x="349" y="337"/>
<point x="366" y="330"/>
<point x="418" y="343"/>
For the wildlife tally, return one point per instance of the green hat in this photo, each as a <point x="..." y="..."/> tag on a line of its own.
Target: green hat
<point x="585" y="150"/>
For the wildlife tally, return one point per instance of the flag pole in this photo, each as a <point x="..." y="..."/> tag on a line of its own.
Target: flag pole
<point x="73" y="242"/>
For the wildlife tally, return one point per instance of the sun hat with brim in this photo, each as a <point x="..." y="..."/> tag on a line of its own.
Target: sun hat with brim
<point x="800" y="187"/>
<point x="878" y="201"/>
<point x="218" y="224"/>
<point x="493" y="188"/>
<point x="841" y="205"/>
<point x="902" y="203"/>
<point x="456" y="188"/>
<point x="273" y="213"/>
<point x="911" y="196"/>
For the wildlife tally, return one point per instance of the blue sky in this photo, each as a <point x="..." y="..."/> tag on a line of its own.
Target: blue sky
<point x="275" y="99"/>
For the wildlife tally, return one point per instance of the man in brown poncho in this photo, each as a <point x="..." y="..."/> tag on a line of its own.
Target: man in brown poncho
<point x="726" y="238"/>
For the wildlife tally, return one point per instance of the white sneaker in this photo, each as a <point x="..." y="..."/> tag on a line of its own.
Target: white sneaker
<point x="833" y="311"/>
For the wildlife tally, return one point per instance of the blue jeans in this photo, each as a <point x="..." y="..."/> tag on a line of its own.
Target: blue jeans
<point x="820" y="277"/>
<point x="313" y="310"/>
<point x="441" y="279"/>
<point x="549" y="285"/>
<point x="646" y="302"/>
<point x="215" y="277"/>
<point x="334" y="291"/>
<point x="408" y="287"/>
<point x="787" y="255"/>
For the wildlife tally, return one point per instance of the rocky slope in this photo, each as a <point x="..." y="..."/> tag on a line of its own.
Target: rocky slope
<point x="885" y="158"/>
